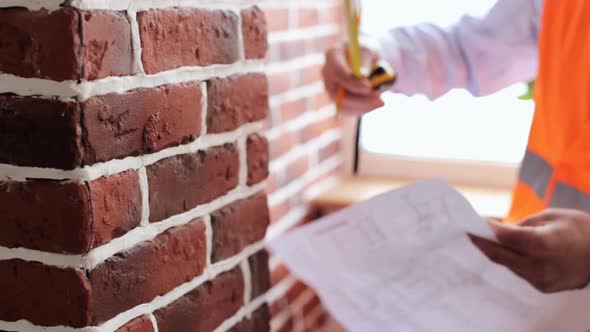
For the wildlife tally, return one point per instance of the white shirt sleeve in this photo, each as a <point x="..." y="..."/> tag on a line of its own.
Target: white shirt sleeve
<point x="480" y="55"/>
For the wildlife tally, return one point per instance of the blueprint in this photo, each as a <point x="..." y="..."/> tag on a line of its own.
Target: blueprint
<point x="402" y="262"/>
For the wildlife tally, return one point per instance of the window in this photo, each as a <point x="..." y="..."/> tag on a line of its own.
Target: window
<point x="458" y="137"/>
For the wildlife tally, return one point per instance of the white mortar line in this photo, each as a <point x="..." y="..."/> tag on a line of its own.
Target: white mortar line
<point x="307" y="118"/>
<point x="138" y="235"/>
<point x="303" y="33"/>
<point x="303" y="299"/>
<point x="209" y="237"/>
<point x="204" y="107"/>
<point x="321" y="187"/>
<point x="244" y="312"/>
<point x="145" y="197"/>
<point x="328" y="137"/>
<point x="154" y="322"/>
<point x="280" y="289"/>
<point x="273" y="263"/>
<point x="292" y="219"/>
<point x="241" y="44"/>
<point x="315" y="314"/>
<point x="298" y="185"/>
<point x="279" y="320"/>
<point x="135" y="42"/>
<point x="93" y="172"/>
<point x="293" y="15"/>
<point x="306" y="91"/>
<point x="299" y="63"/>
<point x="86" y="89"/>
<point x="247" y="276"/>
<point x="147" y="308"/>
<point x="243" y="154"/>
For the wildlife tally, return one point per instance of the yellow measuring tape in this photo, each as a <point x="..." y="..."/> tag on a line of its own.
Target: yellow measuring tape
<point x="381" y="75"/>
<point x="353" y="19"/>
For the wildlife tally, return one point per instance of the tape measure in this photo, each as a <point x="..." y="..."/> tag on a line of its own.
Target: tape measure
<point x="382" y="76"/>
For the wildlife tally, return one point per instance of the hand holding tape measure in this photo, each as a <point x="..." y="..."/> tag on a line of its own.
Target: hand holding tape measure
<point x="381" y="75"/>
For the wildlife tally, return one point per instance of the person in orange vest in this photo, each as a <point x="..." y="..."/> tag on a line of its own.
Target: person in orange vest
<point x="545" y="239"/>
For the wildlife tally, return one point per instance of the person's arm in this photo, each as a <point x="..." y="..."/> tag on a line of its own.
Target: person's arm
<point x="481" y="55"/>
<point x="550" y="250"/>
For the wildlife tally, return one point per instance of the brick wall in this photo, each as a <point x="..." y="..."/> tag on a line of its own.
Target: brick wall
<point x="131" y="166"/>
<point x="304" y="138"/>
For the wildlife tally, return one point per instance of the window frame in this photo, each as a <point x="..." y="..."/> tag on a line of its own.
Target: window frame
<point x="404" y="168"/>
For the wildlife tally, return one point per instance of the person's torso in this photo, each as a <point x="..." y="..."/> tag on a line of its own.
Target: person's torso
<point x="556" y="168"/>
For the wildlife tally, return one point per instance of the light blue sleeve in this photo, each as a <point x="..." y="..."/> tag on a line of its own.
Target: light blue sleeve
<point x="480" y="55"/>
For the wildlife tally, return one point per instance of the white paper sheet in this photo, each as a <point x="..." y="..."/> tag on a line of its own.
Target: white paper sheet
<point x="402" y="262"/>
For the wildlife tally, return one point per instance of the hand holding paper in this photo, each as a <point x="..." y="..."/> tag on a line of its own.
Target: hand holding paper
<point x="402" y="262"/>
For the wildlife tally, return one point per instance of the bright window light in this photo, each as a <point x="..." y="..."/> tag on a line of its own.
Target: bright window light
<point x="457" y="126"/>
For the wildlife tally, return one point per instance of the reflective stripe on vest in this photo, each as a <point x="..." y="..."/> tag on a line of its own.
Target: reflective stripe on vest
<point x="536" y="173"/>
<point x="567" y="197"/>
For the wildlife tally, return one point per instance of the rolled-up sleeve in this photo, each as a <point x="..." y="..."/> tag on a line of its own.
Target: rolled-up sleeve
<point x="480" y="55"/>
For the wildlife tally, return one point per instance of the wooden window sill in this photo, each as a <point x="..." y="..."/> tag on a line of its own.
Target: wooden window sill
<point x="487" y="202"/>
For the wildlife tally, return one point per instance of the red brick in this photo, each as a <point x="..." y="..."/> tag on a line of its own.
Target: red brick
<point x="278" y="306"/>
<point x="44" y="295"/>
<point x="292" y="49"/>
<point x="279" y="274"/>
<point x="173" y="38"/>
<point x="260" y="273"/>
<point x="148" y="270"/>
<point x="49" y="45"/>
<point x="282" y="144"/>
<point x="308" y="17"/>
<point x="181" y="183"/>
<point x="140" y="324"/>
<point x="311" y="74"/>
<point x="321" y="44"/>
<point x="235" y="101"/>
<point x="293" y="109"/>
<point x="205" y="308"/>
<point x="141" y="121"/>
<point x="277" y="18"/>
<point x="316" y="129"/>
<point x="239" y="225"/>
<point x="321" y="101"/>
<point x="49" y="133"/>
<point x="322" y="320"/>
<point x="259" y="321"/>
<point x="333" y="15"/>
<point x="329" y="151"/>
<point x="272" y="182"/>
<point x="279" y="211"/>
<point x="257" y="148"/>
<point x="68" y="217"/>
<point x="296" y="169"/>
<point x="310" y="305"/>
<point x="281" y="83"/>
<point x="39" y="132"/>
<point x="295" y="291"/>
<point x="255" y="35"/>
<point x="116" y="206"/>
<point x="288" y="326"/>
<point x="106" y="53"/>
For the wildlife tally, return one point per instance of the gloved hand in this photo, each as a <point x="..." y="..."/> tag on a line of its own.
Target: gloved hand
<point x="360" y="97"/>
<point x="551" y="250"/>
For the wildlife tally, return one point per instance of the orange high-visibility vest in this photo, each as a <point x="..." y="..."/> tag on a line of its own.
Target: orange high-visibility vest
<point x="556" y="168"/>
